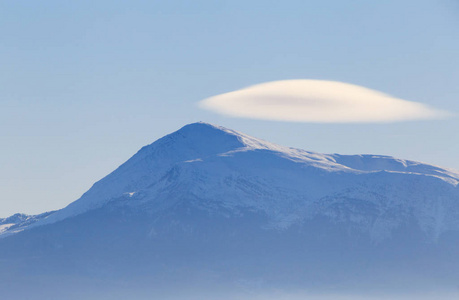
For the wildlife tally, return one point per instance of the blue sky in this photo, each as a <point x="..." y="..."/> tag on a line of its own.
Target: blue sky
<point x="85" y="84"/>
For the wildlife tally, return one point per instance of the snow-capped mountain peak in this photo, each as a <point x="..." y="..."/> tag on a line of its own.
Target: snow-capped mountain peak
<point x="213" y="205"/>
<point x="223" y="168"/>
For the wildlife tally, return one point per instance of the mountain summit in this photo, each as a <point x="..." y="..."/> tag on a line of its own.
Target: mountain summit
<point x="212" y="204"/>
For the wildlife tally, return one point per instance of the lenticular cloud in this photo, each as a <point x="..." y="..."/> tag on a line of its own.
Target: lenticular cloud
<point x="318" y="101"/>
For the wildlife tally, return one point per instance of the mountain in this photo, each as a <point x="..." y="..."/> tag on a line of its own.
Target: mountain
<point x="209" y="209"/>
<point x="17" y="222"/>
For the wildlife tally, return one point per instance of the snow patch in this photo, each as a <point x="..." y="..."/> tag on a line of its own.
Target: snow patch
<point x="5" y="227"/>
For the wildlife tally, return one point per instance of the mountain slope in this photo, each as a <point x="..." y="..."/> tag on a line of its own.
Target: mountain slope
<point x="208" y="204"/>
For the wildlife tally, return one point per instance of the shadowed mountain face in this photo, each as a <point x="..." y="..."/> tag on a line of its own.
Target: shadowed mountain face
<point x="210" y="210"/>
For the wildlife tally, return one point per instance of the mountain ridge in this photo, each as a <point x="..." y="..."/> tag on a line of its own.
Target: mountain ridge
<point x="207" y="207"/>
<point x="205" y="143"/>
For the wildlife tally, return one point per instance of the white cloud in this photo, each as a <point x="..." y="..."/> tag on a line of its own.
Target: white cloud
<point x="318" y="101"/>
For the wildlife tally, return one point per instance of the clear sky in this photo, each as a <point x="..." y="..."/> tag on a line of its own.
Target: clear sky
<point x="85" y="84"/>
